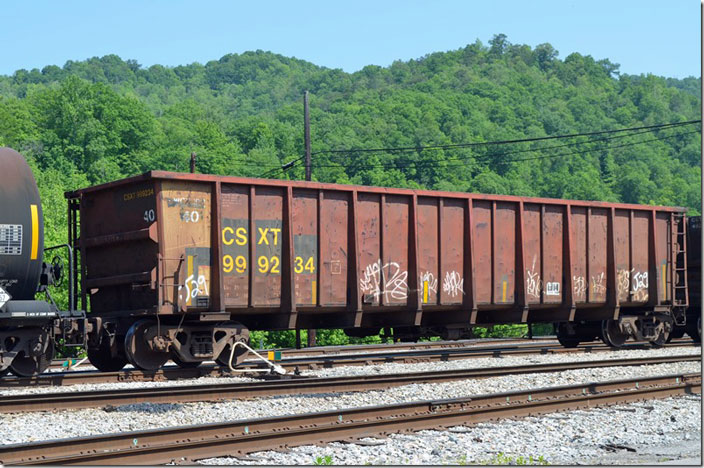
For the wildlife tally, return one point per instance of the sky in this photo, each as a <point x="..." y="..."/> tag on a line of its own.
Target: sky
<point x="645" y="36"/>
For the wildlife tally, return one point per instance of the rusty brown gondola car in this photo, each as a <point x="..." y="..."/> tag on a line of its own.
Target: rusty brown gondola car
<point x="181" y="266"/>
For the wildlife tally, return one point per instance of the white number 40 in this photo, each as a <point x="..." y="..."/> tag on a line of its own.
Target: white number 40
<point x="149" y="216"/>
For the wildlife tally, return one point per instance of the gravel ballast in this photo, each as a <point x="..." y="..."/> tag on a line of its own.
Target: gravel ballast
<point x="657" y="431"/>
<point x="649" y="432"/>
<point x="25" y="427"/>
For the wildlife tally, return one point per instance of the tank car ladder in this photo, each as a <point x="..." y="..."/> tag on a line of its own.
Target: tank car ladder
<point x="678" y="275"/>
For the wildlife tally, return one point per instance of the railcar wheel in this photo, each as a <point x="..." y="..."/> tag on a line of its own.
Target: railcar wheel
<point x="183" y="364"/>
<point x="568" y="342"/>
<point x="662" y="338"/>
<point x="677" y="332"/>
<point x="694" y="329"/>
<point x="611" y="334"/>
<point x="4" y="372"/>
<point x="137" y="348"/>
<point x="565" y="338"/>
<point x="28" y="366"/>
<point x="239" y="356"/>
<point x="103" y="360"/>
<point x="663" y="330"/>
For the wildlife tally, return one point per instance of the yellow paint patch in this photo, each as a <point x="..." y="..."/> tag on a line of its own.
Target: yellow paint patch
<point x="664" y="280"/>
<point x="425" y="292"/>
<point x="315" y="294"/>
<point x="35" y="232"/>
<point x="503" y="294"/>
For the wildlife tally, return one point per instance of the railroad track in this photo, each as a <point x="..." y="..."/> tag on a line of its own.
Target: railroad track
<point x="311" y="363"/>
<point x="384" y="347"/>
<point x="413" y="346"/>
<point x="218" y="392"/>
<point x="246" y="436"/>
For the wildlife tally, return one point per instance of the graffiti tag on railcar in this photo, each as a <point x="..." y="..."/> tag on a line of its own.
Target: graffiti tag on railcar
<point x="580" y="286"/>
<point x="385" y="279"/>
<point x="598" y="283"/>
<point x="453" y="284"/>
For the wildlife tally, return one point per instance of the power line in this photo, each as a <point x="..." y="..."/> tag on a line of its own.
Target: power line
<point x="502" y="142"/>
<point x="282" y="167"/>
<point x="464" y="158"/>
<point x="607" y="147"/>
<point x="399" y="165"/>
<point x="634" y="131"/>
<point x="573" y="153"/>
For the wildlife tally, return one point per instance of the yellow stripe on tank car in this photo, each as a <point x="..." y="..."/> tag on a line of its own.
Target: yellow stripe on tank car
<point x="35" y="232"/>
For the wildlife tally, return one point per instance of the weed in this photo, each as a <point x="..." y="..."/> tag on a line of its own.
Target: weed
<point x="503" y="459"/>
<point x="324" y="460"/>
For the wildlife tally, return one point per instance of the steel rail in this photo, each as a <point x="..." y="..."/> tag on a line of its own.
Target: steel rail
<point x="322" y="351"/>
<point x="246" y="436"/>
<point x="381" y="348"/>
<point x="219" y="392"/>
<point x="413" y="346"/>
<point x="387" y="347"/>
<point x="307" y="363"/>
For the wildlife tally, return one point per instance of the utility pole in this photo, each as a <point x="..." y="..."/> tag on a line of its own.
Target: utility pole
<point x="193" y="162"/>
<point x="306" y="131"/>
<point x="306" y="138"/>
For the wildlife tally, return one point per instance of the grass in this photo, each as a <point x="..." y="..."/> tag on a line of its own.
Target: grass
<point x="503" y="459"/>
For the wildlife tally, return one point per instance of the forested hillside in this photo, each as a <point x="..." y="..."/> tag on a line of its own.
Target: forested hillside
<point x="104" y="118"/>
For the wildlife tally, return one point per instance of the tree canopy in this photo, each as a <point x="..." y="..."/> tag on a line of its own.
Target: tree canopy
<point x="105" y="118"/>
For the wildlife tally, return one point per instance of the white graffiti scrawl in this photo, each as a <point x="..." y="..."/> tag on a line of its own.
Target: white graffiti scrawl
<point x="453" y="284"/>
<point x="623" y="283"/>
<point x="580" y="286"/>
<point x="598" y="284"/>
<point x="640" y="286"/>
<point x="635" y="282"/>
<point x="429" y="278"/>
<point x="193" y="287"/>
<point x="387" y="279"/>
<point x="533" y="282"/>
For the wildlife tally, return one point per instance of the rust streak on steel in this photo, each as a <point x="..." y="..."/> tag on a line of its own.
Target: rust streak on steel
<point x="244" y="436"/>
<point x="218" y="392"/>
